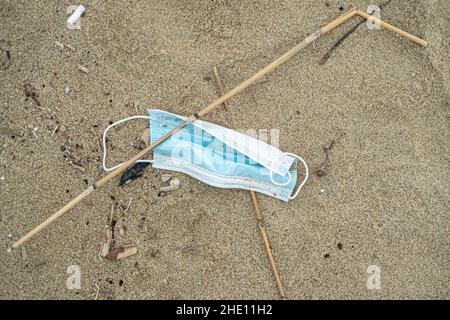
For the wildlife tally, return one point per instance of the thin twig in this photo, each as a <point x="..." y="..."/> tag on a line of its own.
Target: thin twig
<point x="54" y="131"/>
<point x="77" y="166"/>
<point x="220" y="85"/>
<point x="267" y="246"/>
<point x="322" y="169"/>
<point x="128" y="206"/>
<point x="111" y="215"/>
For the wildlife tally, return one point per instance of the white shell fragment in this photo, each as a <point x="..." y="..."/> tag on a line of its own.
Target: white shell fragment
<point x="105" y="243"/>
<point x="174" y="185"/>
<point x="165" y="177"/>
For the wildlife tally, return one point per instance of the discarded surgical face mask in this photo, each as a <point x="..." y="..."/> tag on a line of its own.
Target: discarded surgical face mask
<point x="221" y="157"/>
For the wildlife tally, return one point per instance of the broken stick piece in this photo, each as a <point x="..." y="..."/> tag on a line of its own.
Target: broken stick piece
<point x="121" y="253"/>
<point x="390" y="27"/>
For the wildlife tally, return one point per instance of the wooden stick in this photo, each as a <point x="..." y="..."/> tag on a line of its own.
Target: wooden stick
<point x="267" y="245"/>
<point x="390" y="27"/>
<point x="258" y="213"/>
<point x="330" y="26"/>
<point x="219" y="84"/>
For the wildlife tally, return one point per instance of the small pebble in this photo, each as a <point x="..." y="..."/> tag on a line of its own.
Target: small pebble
<point x="9" y="235"/>
<point x="9" y="250"/>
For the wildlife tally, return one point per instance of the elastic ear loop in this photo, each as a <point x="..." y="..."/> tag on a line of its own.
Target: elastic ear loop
<point x="104" y="142"/>
<point x="289" y="174"/>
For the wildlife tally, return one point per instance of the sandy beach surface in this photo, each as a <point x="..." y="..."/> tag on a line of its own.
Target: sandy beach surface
<point x="382" y="199"/>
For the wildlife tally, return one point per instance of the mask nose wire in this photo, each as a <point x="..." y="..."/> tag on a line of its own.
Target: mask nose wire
<point x="306" y="176"/>
<point x="104" y="142"/>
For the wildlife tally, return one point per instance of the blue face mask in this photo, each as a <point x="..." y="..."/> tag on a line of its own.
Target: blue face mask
<point x="219" y="156"/>
<point x="223" y="157"/>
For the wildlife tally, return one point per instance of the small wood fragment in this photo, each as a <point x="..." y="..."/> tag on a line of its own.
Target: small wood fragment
<point x="121" y="253"/>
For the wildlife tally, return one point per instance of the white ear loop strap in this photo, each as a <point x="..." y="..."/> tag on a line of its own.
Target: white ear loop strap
<point x="104" y="142"/>
<point x="289" y="174"/>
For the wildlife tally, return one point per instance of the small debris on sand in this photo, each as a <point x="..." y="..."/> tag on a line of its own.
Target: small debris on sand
<point x="165" y="177"/>
<point x="30" y="91"/>
<point x="122" y="230"/>
<point x="146" y="136"/>
<point x="98" y="291"/>
<point x="105" y="243"/>
<point x="24" y="255"/>
<point x="173" y="185"/>
<point x="67" y="90"/>
<point x="121" y="253"/>
<point x="133" y="173"/>
<point x="59" y="45"/>
<point x="83" y="68"/>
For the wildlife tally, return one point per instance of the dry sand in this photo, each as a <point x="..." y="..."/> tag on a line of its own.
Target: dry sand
<point x="385" y="198"/>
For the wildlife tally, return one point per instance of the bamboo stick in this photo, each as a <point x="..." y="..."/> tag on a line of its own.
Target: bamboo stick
<point x="390" y="27"/>
<point x="330" y="26"/>
<point x="266" y="243"/>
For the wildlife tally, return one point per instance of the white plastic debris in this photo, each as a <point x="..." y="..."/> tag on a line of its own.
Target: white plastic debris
<point x="174" y="185"/>
<point x="67" y="90"/>
<point x="2" y="178"/>
<point x="74" y="21"/>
